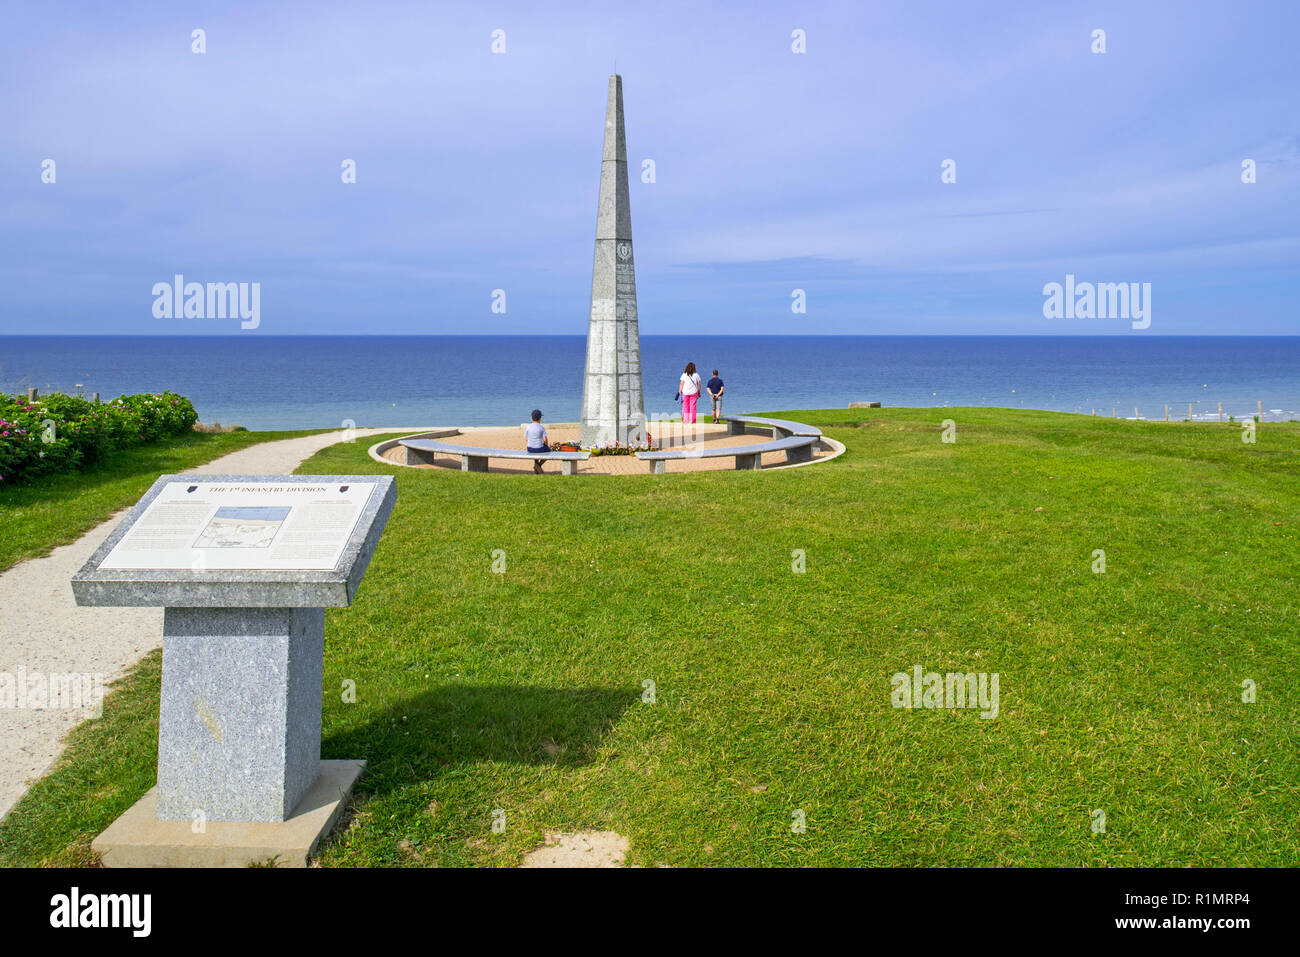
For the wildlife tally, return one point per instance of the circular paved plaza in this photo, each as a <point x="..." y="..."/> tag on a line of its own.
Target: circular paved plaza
<point x="710" y="437"/>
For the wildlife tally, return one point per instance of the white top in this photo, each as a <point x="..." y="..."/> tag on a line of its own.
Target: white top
<point x="690" y="384"/>
<point x="534" y="435"/>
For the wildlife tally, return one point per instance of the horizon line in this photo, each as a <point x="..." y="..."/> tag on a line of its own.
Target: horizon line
<point x="701" y="335"/>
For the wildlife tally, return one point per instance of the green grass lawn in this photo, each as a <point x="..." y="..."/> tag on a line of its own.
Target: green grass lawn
<point x="522" y="691"/>
<point x="59" y="509"/>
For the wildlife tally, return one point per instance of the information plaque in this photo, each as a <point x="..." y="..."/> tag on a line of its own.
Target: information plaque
<point x="216" y="525"/>
<point x="244" y="567"/>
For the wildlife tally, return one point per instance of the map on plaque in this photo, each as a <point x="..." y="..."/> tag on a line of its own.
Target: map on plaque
<point x="257" y="525"/>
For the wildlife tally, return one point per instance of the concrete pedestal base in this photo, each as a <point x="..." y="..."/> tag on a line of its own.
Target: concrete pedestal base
<point x="417" y="456"/>
<point x="138" y="839"/>
<point x="803" y="453"/>
<point x="239" y="722"/>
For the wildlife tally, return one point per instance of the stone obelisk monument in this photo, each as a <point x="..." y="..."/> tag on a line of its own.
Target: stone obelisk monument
<point x="613" y="408"/>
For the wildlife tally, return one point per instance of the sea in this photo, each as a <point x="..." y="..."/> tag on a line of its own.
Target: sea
<point x="298" y="382"/>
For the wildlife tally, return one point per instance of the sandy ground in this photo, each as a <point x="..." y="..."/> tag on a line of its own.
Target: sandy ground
<point x="580" y="849"/>
<point x="709" y="436"/>
<point x="43" y="631"/>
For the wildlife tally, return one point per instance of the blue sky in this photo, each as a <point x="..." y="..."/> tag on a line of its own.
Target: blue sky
<point x="774" y="170"/>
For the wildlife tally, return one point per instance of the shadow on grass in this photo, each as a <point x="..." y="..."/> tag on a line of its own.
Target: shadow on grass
<point x="420" y="736"/>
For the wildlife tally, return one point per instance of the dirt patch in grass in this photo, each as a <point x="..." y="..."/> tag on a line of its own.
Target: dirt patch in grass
<point x="580" y="849"/>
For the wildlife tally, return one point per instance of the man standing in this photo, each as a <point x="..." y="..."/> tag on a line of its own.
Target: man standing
<point x="716" y="388"/>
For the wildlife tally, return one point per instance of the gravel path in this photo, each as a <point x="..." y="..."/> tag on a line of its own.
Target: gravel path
<point x="43" y="631"/>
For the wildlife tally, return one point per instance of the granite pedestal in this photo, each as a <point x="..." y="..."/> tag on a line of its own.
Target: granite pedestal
<point x="417" y="456"/>
<point x="801" y="453"/>
<point x="243" y="658"/>
<point x="239" y="719"/>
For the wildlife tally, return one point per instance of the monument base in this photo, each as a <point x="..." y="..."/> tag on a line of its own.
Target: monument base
<point x="138" y="839"/>
<point x="239" y="712"/>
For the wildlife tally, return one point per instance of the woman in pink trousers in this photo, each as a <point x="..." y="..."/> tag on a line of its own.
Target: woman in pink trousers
<point x="689" y="387"/>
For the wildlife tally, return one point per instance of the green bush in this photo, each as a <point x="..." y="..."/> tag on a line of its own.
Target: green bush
<point x="59" y="433"/>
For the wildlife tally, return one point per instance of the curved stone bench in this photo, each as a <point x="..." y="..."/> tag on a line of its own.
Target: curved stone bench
<point x="475" y="459"/>
<point x="781" y="428"/>
<point x="797" y="448"/>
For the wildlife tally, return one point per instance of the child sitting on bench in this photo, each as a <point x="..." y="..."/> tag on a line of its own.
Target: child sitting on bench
<point x="536" y="439"/>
